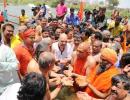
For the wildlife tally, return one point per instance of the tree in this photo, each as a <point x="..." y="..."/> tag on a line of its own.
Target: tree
<point x="54" y="3"/>
<point x="113" y="3"/>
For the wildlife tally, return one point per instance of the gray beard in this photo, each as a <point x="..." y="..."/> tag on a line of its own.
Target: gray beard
<point x="101" y="69"/>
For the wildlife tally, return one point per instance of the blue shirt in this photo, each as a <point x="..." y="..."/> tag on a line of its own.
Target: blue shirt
<point x="72" y="19"/>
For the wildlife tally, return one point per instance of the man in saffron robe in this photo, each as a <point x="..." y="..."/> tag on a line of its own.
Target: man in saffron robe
<point x="82" y="61"/>
<point x="99" y="81"/>
<point x="24" y="52"/>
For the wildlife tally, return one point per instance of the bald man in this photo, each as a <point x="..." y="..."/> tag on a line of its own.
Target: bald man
<point x="81" y="61"/>
<point x="96" y="49"/>
<point x="42" y="46"/>
<point x="99" y="81"/>
<point x="62" y="50"/>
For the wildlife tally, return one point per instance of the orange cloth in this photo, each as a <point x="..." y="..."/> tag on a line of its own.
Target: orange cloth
<point x="1" y="18"/>
<point x="101" y="82"/>
<point x="109" y="54"/>
<point x="24" y="57"/>
<point x="79" y="64"/>
<point x="124" y="47"/>
<point x="5" y="4"/>
<point x="81" y="10"/>
<point x="28" y="33"/>
<point x="79" y="68"/>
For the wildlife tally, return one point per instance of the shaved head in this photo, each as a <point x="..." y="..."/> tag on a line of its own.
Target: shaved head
<point x="83" y="46"/>
<point x="62" y="41"/>
<point x="83" y="50"/>
<point x="63" y="36"/>
<point x="97" y="46"/>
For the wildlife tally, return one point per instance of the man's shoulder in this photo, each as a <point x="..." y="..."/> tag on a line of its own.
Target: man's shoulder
<point x="19" y="47"/>
<point x="91" y="58"/>
<point x="55" y="46"/>
<point x="65" y="6"/>
<point x="127" y="97"/>
<point x="5" y="48"/>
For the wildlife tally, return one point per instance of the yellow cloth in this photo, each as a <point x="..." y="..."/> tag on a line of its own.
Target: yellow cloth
<point x="23" y="19"/>
<point x="15" y="40"/>
<point x="109" y="54"/>
<point x="115" y="30"/>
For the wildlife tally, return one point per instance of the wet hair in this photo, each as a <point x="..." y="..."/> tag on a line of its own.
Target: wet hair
<point x="33" y="87"/>
<point x="42" y="47"/>
<point x="125" y="60"/>
<point x="46" y="60"/>
<point x="5" y="25"/>
<point x="121" y="78"/>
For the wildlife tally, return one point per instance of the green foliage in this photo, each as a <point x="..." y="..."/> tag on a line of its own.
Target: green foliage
<point x="54" y="3"/>
<point x="113" y="3"/>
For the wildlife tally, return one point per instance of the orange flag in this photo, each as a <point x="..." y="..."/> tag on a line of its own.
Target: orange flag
<point x="5" y="4"/>
<point x="81" y="10"/>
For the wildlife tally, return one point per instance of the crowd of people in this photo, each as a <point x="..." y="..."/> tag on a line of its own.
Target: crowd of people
<point x="64" y="57"/>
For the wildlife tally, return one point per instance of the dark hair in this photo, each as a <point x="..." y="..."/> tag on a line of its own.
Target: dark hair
<point x="33" y="87"/>
<point x="98" y="35"/>
<point x="68" y="30"/>
<point x="125" y="60"/>
<point x="5" y="25"/>
<point x="45" y="29"/>
<point x="77" y="26"/>
<point x="71" y="9"/>
<point x="118" y="18"/>
<point x="22" y="10"/>
<point x="87" y="32"/>
<point x="121" y="78"/>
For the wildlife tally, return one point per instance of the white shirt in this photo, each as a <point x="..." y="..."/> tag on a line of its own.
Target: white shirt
<point x="8" y="67"/>
<point x="66" y="54"/>
<point x="11" y="92"/>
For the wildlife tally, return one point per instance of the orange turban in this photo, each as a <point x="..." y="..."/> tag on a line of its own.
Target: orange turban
<point x="109" y="54"/>
<point x="28" y="33"/>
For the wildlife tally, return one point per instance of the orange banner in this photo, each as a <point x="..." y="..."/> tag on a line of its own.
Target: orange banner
<point x="5" y="4"/>
<point x="81" y="10"/>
